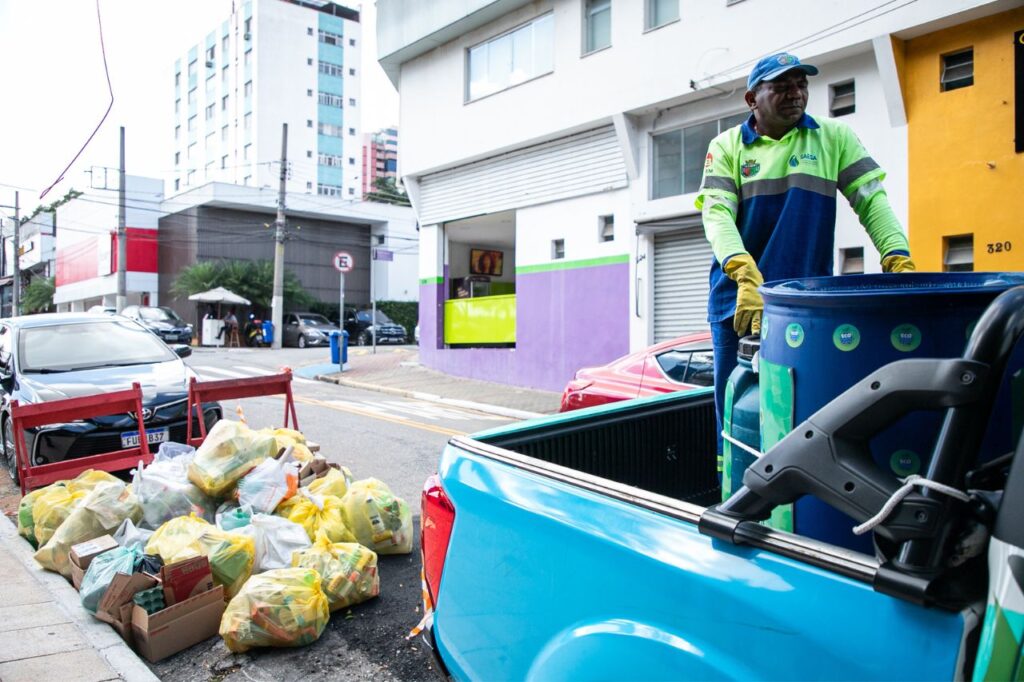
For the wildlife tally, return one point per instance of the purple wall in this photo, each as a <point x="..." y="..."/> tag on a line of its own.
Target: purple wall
<point x="565" y="319"/>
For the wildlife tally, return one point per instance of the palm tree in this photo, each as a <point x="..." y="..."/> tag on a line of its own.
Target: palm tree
<point x="38" y="296"/>
<point x="252" y="279"/>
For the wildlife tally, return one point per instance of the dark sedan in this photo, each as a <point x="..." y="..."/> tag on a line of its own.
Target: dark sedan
<point x="162" y="321"/>
<point x="64" y="355"/>
<point x="360" y="328"/>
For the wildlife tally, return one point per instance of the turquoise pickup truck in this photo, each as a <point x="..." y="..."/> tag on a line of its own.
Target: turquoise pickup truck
<point x="596" y="545"/>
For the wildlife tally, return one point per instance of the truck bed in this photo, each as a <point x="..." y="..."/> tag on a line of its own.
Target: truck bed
<point x="664" y="446"/>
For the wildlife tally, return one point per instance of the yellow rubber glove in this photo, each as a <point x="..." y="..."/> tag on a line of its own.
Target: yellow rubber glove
<point x="749" y="304"/>
<point x="898" y="263"/>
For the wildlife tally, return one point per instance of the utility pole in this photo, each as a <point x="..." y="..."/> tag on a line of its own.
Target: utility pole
<point x="122" y="240"/>
<point x="16" y="281"/>
<point x="277" y="303"/>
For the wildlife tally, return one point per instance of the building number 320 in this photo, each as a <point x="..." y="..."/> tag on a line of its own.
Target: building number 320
<point x="1000" y="247"/>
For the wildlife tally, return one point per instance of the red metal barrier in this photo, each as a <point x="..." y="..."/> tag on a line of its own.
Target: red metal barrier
<point x="200" y="392"/>
<point x="68" y="410"/>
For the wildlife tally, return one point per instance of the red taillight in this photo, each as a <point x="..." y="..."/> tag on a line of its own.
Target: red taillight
<point x="436" y="520"/>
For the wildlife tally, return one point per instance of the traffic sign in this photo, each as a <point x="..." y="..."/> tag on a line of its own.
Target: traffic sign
<point x="343" y="262"/>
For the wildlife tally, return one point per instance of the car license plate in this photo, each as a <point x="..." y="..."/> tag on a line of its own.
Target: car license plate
<point x="130" y="439"/>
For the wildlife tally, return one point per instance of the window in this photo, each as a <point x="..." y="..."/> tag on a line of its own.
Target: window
<point x="177" y="106"/>
<point x="247" y="180"/>
<point x="678" y="156"/>
<point x="329" y="38"/>
<point x="351" y="191"/>
<point x="330" y="100"/>
<point x="959" y="253"/>
<point x="248" y="88"/>
<point x="351" y="42"/>
<point x="309" y="61"/>
<point x="597" y="25"/>
<point x="661" y="12"/>
<point x="842" y="99"/>
<point x="309" y="185"/>
<point x="851" y="261"/>
<point x="309" y="30"/>
<point x="351" y="161"/>
<point x="247" y="122"/>
<point x="191" y="70"/>
<point x="206" y="171"/>
<point x="245" y="152"/>
<point x="248" y="28"/>
<point x="190" y="177"/>
<point x="309" y="123"/>
<point x="177" y="79"/>
<point x="510" y="59"/>
<point x="309" y="92"/>
<point x="328" y="190"/>
<point x="557" y="249"/>
<point x="329" y="129"/>
<point x="224" y="76"/>
<point x="177" y="132"/>
<point x="177" y="158"/>
<point x="351" y="131"/>
<point x="210" y="111"/>
<point x="351" y="72"/>
<point x="211" y="53"/>
<point x="328" y="159"/>
<point x="606" y="228"/>
<point x="957" y="70"/>
<point x="224" y="47"/>
<point x="351" y="101"/>
<point x="224" y="161"/>
<point x="191" y="151"/>
<point x="224" y="133"/>
<point x="191" y="123"/>
<point x="192" y="97"/>
<point x="224" y="103"/>
<point x="247" y="59"/>
<point x="309" y="153"/>
<point x="210" y="140"/>
<point x="696" y="367"/>
<point x="177" y="184"/>
<point x="329" y="69"/>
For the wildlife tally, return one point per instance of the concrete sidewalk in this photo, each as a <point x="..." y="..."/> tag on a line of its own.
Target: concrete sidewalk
<point x="398" y="371"/>
<point x="45" y="634"/>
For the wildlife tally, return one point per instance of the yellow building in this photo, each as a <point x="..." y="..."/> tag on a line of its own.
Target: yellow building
<point x="964" y="101"/>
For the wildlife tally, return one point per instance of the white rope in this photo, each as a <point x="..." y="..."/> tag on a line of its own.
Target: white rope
<point x="908" y="485"/>
<point x="741" y="445"/>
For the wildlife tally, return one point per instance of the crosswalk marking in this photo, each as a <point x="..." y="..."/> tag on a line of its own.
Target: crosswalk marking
<point x="209" y="372"/>
<point x="205" y="369"/>
<point x="263" y="371"/>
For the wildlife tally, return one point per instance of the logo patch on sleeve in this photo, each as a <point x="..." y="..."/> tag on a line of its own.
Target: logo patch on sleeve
<point x="708" y="161"/>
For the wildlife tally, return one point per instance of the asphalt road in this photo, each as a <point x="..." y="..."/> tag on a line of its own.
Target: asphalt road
<point x="396" y="440"/>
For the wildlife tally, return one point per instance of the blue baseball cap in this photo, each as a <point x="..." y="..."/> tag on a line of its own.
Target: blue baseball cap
<point x="773" y="66"/>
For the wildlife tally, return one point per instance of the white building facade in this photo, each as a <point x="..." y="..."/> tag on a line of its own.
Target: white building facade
<point x="272" y="62"/>
<point x="568" y="137"/>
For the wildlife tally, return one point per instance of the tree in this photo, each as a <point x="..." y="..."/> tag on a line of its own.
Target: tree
<point x="386" y="192"/>
<point x="50" y="208"/>
<point x="252" y="279"/>
<point x="38" y="296"/>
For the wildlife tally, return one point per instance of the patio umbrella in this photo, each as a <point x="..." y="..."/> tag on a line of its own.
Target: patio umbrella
<point x="219" y="295"/>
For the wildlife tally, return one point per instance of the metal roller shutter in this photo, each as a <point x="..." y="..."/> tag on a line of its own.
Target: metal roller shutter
<point x="682" y="259"/>
<point x="572" y="166"/>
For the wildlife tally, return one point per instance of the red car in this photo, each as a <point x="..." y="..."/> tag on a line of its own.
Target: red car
<point x="682" y="363"/>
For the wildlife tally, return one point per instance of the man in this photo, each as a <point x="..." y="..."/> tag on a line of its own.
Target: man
<point x="768" y="202"/>
<point x="230" y="322"/>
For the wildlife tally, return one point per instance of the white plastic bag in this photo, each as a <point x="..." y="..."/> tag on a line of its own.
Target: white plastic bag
<point x="275" y="538"/>
<point x="269" y="484"/>
<point x="128" y="535"/>
<point x="171" y="450"/>
<point x="166" y="493"/>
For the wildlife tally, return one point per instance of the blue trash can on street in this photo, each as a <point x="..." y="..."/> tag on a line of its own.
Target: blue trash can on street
<point x="268" y="332"/>
<point x="339" y="347"/>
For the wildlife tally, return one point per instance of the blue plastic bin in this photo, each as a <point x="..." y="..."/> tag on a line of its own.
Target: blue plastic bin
<point x="268" y="332"/>
<point x="339" y="347"/>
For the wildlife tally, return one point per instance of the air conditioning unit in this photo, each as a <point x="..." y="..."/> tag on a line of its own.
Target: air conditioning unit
<point x="209" y="64"/>
<point x="247" y="36"/>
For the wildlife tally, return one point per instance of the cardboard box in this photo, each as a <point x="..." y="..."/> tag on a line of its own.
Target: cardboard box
<point x="166" y="632"/>
<point x="116" y="605"/>
<point x="314" y="469"/>
<point x="82" y="554"/>
<point x="185" y="579"/>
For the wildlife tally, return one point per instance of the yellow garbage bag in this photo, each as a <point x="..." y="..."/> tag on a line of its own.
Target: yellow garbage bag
<point x="26" y="522"/>
<point x="100" y="513"/>
<point x="90" y="478"/>
<point x="348" y="571"/>
<point x="51" y="508"/>
<point x="334" y="482"/>
<point x="378" y="519"/>
<point x="290" y="437"/>
<point x="231" y="450"/>
<point x="317" y="512"/>
<point x="231" y="555"/>
<point x="282" y="607"/>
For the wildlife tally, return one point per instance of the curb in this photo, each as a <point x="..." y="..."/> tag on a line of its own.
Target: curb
<point x="100" y="636"/>
<point x="495" y="410"/>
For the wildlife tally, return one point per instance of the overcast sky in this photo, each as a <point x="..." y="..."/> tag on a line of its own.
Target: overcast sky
<point x="54" y="90"/>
